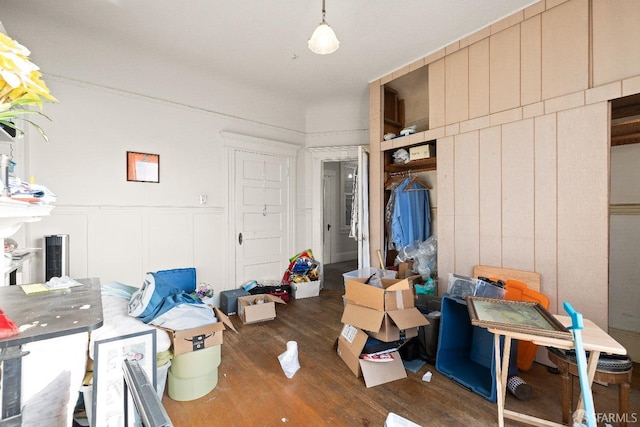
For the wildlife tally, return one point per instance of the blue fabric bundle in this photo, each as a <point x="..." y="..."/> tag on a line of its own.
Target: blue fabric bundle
<point x="162" y="291"/>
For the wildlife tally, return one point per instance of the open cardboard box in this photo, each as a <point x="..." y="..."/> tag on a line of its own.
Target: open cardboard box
<point x="351" y="341"/>
<point x="205" y="336"/>
<point x="258" y="308"/>
<point x="385" y="326"/>
<point x="394" y="295"/>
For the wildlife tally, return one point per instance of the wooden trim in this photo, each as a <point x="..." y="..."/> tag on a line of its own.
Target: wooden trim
<point x="624" y="209"/>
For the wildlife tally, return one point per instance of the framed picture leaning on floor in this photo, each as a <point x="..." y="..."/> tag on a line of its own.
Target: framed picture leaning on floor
<point x="108" y="381"/>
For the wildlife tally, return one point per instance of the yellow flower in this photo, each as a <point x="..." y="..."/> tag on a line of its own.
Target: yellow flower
<point x="21" y="85"/>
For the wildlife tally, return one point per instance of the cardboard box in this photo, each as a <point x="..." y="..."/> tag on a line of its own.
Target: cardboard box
<point x="394" y="295"/>
<point x="351" y="341"/>
<point x="405" y="269"/>
<point x="385" y="326"/>
<point x="305" y="289"/>
<point x="194" y="339"/>
<point x="420" y="152"/>
<point x="258" y="308"/>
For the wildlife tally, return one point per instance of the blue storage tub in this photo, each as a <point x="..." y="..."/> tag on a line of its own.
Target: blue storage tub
<point x="465" y="352"/>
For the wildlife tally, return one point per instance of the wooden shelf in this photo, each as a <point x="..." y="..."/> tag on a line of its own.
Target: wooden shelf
<point x="413" y="166"/>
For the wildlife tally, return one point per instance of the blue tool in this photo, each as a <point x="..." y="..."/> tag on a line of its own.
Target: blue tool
<point x="587" y="398"/>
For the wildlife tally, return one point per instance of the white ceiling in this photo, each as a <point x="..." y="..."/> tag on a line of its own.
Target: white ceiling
<point x="255" y="43"/>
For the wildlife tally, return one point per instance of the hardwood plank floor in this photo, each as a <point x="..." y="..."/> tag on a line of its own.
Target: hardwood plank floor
<point x="253" y="390"/>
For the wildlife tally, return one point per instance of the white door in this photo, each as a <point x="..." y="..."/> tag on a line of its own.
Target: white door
<point x="328" y="209"/>
<point x="261" y="216"/>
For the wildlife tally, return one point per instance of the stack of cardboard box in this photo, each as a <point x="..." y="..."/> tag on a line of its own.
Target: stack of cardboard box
<point x="385" y="313"/>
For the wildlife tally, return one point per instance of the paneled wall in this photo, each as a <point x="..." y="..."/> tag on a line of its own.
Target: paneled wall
<point x="520" y="112"/>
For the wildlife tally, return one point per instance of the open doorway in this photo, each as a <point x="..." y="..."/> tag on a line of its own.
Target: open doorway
<point x="340" y="209"/>
<point x="624" y="224"/>
<point x="340" y="244"/>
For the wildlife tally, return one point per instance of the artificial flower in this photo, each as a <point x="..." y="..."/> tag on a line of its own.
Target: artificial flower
<point x="21" y="86"/>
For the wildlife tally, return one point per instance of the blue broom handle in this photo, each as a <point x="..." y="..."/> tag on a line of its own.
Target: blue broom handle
<point x="587" y="398"/>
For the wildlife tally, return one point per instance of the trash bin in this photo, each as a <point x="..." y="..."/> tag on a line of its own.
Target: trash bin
<point x="428" y="335"/>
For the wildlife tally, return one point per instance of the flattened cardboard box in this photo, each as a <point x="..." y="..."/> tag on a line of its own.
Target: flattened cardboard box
<point x="250" y="311"/>
<point x="194" y="339"/>
<point x="350" y="344"/>
<point x="384" y="326"/>
<point x="394" y="295"/>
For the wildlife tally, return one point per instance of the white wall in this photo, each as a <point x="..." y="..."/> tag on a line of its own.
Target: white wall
<point x="624" y="258"/>
<point x="118" y="229"/>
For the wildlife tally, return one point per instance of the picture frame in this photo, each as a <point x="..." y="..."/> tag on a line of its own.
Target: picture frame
<point x="108" y="377"/>
<point x="517" y="316"/>
<point x="143" y="167"/>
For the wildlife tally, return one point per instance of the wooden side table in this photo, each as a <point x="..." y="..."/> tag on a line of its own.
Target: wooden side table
<point x="568" y="369"/>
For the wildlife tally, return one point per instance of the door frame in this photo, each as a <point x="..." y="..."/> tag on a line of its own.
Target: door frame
<point x="232" y="143"/>
<point x="319" y="155"/>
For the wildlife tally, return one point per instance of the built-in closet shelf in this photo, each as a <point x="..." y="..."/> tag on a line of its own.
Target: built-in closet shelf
<point x="413" y="166"/>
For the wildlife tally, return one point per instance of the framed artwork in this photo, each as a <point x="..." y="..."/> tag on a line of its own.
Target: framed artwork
<point x="108" y="377"/>
<point x="517" y="316"/>
<point x="143" y="167"/>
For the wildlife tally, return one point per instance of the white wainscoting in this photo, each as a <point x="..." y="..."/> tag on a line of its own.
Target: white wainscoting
<point x="123" y="243"/>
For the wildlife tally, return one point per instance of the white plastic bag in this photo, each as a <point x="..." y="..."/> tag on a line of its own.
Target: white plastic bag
<point x="289" y="359"/>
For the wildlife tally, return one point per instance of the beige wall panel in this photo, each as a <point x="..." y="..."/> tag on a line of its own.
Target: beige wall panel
<point x="457" y="86"/>
<point x="445" y="177"/>
<point x="507" y="22"/>
<point x="467" y="237"/>
<point x="479" y="79"/>
<point x="490" y="184"/>
<point x="531" y="50"/>
<point x="546" y="206"/>
<point x="518" y="253"/>
<point x="631" y="86"/>
<point x="466" y="158"/>
<point x="534" y="9"/>
<point x="467" y="240"/>
<point x="517" y="195"/>
<point x="446" y="250"/>
<point x="518" y="179"/>
<point x="565" y="49"/>
<point x="375" y="101"/>
<point x="616" y="51"/>
<point x="546" y="256"/>
<point x="583" y="210"/>
<point x="436" y="94"/>
<point x="446" y="204"/>
<point x="504" y="63"/>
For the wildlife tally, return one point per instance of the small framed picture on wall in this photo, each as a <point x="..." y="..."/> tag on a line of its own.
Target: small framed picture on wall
<point x="143" y="167"/>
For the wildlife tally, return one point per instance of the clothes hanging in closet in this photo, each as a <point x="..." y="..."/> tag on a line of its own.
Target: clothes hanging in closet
<point x="411" y="216"/>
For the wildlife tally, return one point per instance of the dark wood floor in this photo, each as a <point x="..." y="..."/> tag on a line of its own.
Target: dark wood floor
<point x="252" y="389"/>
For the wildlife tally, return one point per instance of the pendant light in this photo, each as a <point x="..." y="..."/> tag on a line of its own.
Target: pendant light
<point x="323" y="40"/>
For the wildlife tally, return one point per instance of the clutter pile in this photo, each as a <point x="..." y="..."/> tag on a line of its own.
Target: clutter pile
<point x="170" y="300"/>
<point x="304" y="275"/>
<point x="377" y="322"/>
<point x="465" y="352"/>
<point x="302" y="268"/>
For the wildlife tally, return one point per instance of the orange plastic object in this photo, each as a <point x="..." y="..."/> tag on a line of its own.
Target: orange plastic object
<point x="518" y="291"/>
